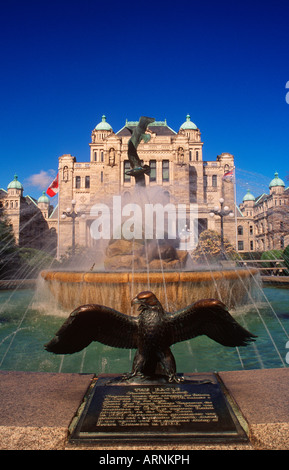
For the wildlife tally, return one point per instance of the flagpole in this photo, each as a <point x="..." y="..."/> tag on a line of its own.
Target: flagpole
<point x="52" y="190"/>
<point x="58" y="226"/>
<point x="235" y="201"/>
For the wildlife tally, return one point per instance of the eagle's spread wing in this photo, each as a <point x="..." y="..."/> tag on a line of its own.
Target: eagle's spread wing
<point x="90" y="323"/>
<point x="207" y="317"/>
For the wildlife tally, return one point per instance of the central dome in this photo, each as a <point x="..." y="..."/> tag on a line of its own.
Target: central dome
<point x="103" y="125"/>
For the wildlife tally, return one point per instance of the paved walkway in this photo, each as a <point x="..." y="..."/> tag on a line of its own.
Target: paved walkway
<point x="37" y="408"/>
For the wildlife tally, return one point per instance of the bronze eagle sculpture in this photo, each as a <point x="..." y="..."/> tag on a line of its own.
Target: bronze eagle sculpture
<point x="152" y="332"/>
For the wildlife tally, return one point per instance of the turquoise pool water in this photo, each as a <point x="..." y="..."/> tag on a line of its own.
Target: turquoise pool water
<point x="26" y="325"/>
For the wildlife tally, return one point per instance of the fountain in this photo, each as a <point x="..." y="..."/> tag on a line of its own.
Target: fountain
<point x="135" y="262"/>
<point x="168" y="272"/>
<point x="176" y="289"/>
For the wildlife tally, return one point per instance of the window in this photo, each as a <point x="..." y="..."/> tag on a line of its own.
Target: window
<point x="126" y="178"/>
<point x="240" y="245"/>
<point x="165" y="170"/>
<point x="205" y="181"/>
<point x="101" y="156"/>
<point x="101" y="176"/>
<point x="153" y="173"/>
<point x="251" y="229"/>
<point x="251" y="245"/>
<point x="190" y="155"/>
<point x="214" y="181"/>
<point x="240" y="230"/>
<point x="197" y="155"/>
<point x="95" y="156"/>
<point x="87" y="182"/>
<point x="77" y="182"/>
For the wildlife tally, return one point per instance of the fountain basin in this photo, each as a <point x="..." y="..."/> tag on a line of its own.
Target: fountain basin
<point x="175" y="290"/>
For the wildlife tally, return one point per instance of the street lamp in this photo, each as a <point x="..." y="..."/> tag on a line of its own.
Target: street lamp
<point x="73" y="215"/>
<point x="222" y="212"/>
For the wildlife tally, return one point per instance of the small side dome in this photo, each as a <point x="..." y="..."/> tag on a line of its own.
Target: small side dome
<point x="103" y="125"/>
<point x="15" y="184"/>
<point x="43" y="198"/>
<point x="249" y="196"/>
<point x="188" y="124"/>
<point x="276" y="182"/>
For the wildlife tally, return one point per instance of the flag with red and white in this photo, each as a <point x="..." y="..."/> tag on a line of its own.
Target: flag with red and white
<point x="53" y="188"/>
<point x="228" y="176"/>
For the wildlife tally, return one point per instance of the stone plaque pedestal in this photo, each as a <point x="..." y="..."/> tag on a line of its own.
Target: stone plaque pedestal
<point x="196" y="409"/>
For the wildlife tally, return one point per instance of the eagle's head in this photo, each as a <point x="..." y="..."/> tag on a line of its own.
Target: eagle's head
<point x="146" y="300"/>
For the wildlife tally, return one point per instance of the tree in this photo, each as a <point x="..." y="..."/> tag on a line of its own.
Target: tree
<point x="209" y="248"/>
<point x="9" y="254"/>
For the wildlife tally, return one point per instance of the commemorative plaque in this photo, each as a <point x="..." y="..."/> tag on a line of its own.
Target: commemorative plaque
<point x="193" y="410"/>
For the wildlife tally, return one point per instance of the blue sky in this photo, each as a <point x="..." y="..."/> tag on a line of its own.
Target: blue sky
<point x="65" y="63"/>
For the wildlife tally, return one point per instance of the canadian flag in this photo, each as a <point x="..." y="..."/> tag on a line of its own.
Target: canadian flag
<point x="53" y="188"/>
<point x="228" y="176"/>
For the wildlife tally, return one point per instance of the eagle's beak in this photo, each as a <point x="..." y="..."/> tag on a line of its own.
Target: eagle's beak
<point x="135" y="301"/>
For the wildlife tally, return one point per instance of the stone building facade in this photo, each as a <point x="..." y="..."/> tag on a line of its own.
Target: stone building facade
<point x="178" y="172"/>
<point x="179" y="176"/>
<point x="30" y="218"/>
<point x="263" y="222"/>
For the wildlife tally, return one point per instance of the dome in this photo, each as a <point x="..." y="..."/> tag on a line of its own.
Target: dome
<point x="15" y="184"/>
<point x="188" y="124"/>
<point x="43" y="198"/>
<point x="103" y="125"/>
<point x="249" y="196"/>
<point x="276" y="181"/>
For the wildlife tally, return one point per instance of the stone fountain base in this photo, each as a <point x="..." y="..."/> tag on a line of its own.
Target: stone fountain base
<point x="175" y="290"/>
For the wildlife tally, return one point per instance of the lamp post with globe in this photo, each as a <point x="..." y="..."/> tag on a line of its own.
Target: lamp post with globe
<point x="222" y="212"/>
<point x="73" y="214"/>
